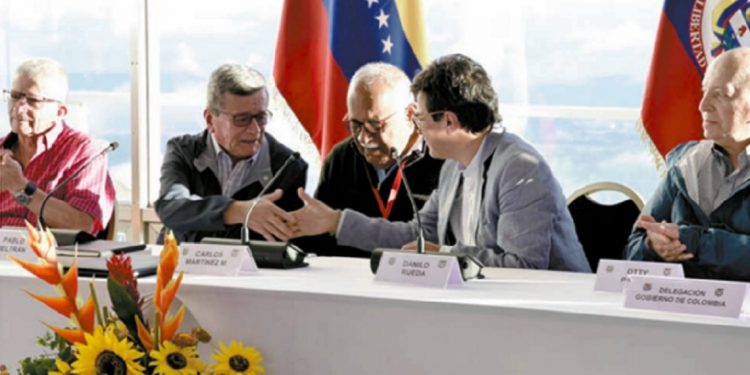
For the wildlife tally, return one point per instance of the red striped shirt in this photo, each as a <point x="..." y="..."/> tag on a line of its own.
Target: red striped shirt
<point x="59" y="155"/>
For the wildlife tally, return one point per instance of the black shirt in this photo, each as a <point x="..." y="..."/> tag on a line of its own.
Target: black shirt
<point x="346" y="181"/>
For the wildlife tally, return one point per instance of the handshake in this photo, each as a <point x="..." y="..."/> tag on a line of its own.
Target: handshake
<point x="275" y="224"/>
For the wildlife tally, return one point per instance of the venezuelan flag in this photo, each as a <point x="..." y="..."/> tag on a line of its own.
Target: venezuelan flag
<point x="321" y="44"/>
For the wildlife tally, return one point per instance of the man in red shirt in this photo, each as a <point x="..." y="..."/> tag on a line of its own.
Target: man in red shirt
<point x="41" y="151"/>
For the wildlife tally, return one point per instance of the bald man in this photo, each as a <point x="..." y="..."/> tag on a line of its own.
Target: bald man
<point x="360" y="173"/>
<point x="700" y="212"/>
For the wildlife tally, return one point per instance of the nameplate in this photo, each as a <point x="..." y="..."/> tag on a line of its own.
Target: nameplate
<point x="612" y="275"/>
<point x="13" y="243"/>
<point x="421" y="269"/>
<point x="689" y="296"/>
<point x="217" y="260"/>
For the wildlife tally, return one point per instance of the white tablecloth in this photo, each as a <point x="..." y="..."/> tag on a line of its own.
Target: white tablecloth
<point x="333" y="318"/>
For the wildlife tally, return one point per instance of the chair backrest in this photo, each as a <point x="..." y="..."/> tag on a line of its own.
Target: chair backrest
<point x="603" y="229"/>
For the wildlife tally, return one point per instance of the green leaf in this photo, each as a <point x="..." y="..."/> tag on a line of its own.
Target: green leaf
<point x="45" y="363"/>
<point x="37" y="366"/>
<point x="124" y="305"/>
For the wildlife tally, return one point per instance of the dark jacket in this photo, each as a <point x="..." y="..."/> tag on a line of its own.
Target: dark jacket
<point x="720" y="241"/>
<point x="190" y="201"/>
<point x="346" y="181"/>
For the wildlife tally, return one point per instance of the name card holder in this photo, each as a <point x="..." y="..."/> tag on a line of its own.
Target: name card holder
<point x="216" y="260"/>
<point x="13" y="243"/>
<point x="689" y="296"/>
<point x="612" y="275"/>
<point x="420" y="269"/>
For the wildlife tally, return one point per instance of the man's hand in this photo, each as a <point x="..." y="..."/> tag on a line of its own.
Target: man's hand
<point x="428" y="246"/>
<point x="664" y="239"/>
<point x="315" y="217"/>
<point x="11" y="174"/>
<point x="269" y="220"/>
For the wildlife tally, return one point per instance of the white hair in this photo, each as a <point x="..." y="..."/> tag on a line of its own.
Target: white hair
<point x="385" y="73"/>
<point x="741" y="67"/>
<point x="46" y="73"/>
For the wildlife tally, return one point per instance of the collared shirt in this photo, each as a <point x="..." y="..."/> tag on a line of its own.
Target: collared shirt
<point x="467" y="204"/>
<point x="59" y="154"/>
<point x="231" y="177"/>
<point x="413" y="155"/>
<point x="718" y="180"/>
<point x="383" y="173"/>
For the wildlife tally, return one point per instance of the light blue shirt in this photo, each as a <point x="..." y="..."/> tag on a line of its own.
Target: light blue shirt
<point x="467" y="204"/>
<point x="231" y="177"/>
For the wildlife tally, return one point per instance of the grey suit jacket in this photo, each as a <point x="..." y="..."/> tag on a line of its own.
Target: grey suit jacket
<point x="525" y="222"/>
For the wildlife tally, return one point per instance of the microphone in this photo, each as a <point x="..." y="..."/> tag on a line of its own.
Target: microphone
<point x="470" y="266"/>
<point x="266" y="254"/>
<point x="40" y="220"/>
<point x="420" y="229"/>
<point x="245" y="229"/>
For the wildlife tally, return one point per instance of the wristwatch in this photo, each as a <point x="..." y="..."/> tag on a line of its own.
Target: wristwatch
<point x="23" y="197"/>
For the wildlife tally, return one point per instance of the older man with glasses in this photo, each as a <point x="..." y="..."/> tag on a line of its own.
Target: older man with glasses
<point x="41" y="151"/>
<point x="209" y="180"/>
<point x="361" y="173"/>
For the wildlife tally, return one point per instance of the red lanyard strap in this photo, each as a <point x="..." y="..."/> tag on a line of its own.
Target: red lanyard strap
<point x="385" y="209"/>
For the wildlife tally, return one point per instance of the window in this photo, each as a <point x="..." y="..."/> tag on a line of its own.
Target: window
<point x="196" y="40"/>
<point x="90" y="39"/>
<point x="569" y="78"/>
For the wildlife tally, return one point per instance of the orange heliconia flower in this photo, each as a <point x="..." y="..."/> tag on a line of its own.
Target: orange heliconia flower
<point x="48" y="272"/>
<point x="70" y="335"/>
<point x="70" y="282"/>
<point x="164" y="294"/>
<point x="144" y="335"/>
<point x="60" y="304"/>
<point x="170" y="326"/>
<point x="168" y="293"/>
<point x="47" y="269"/>
<point x="43" y="244"/>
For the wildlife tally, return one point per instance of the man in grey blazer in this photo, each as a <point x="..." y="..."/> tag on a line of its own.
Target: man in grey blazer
<point x="496" y="198"/>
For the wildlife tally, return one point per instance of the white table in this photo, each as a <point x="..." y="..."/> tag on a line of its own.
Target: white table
<point x="333" y="318"/>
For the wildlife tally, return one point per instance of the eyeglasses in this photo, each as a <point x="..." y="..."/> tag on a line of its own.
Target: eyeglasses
<point x="32" y="100"/>
<point x="244" y="120"/>
<point x="421" y="118"/>
<point x="372" y="127"/>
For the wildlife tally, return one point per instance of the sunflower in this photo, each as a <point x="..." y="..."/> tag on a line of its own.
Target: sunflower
<point x="237" y="360"/>
<point x="63" y="368"/>
<point x="174" y="360"/>
<point x="103" y="353"/>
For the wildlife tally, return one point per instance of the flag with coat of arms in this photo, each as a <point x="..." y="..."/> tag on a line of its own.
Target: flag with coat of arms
<point x="691" y="34"/>
<point x="321" y="43"/>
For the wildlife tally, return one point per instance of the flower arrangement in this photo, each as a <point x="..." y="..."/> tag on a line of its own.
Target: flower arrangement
<point x="119" y="340"/>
